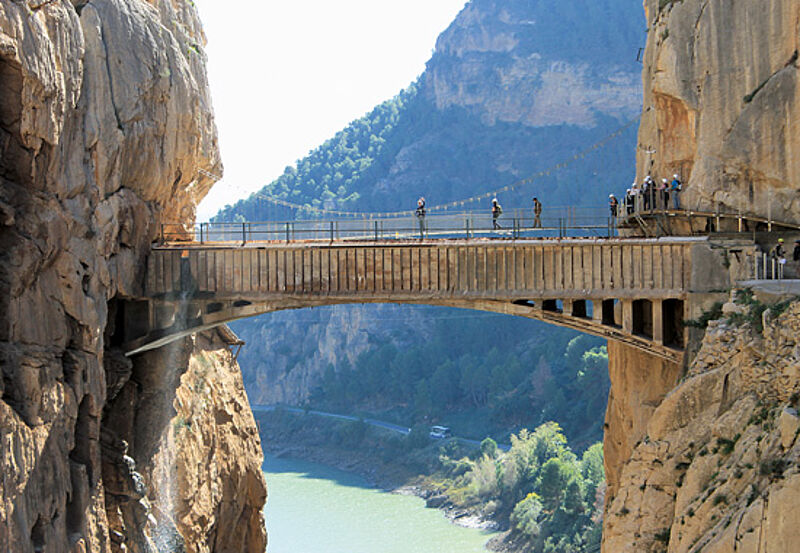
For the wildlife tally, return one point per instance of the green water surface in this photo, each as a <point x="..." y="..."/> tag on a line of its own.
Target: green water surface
<point x="317" y="509"/>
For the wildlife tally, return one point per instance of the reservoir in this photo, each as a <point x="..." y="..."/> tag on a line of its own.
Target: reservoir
<point x="313" y="508"/>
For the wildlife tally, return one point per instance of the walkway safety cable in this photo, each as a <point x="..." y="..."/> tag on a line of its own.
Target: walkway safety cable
<point x="449" y="205"/>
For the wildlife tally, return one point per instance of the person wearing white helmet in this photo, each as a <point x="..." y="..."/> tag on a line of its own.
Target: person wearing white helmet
<point x="629" y="200"/>
<point x="420" y="213"/>
<point x="613" y="206"/>
<point x="674" y="190"/>
<point x="496" y="211"/>
<point x="663" y="189"/>
<point x="779" y="257"/>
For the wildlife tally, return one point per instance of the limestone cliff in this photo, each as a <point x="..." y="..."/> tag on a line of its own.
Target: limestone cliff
<point x="206" y="478"/>
<point x="720" y="79"/>
<point x="106" y="127"/>
<point x="716" y="469"/>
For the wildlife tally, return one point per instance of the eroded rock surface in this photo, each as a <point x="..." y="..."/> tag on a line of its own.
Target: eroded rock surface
<point x="720" y="82"/>
<point x="106" y="130"/>
<point x="717" y="467"/>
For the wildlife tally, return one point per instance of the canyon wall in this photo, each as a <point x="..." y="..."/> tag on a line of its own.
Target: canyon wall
<point x="716" y="467"/>
<point x="709" y="463"/>
<point x="106" y="127"/>
<point x="722" y="103"/>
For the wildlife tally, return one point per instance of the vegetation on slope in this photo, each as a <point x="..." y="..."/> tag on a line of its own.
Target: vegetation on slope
<point x="545" y="496"/>
<point x="480" y="379"/>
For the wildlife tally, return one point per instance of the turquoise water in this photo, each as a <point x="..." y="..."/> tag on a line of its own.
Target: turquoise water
<point x="317" y="509"/>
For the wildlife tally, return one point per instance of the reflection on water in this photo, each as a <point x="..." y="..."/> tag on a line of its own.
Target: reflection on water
<point x="317" y="509"/>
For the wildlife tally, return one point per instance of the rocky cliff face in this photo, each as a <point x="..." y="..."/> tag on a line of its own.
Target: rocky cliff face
<point x="716" y="467"/>
<point x="105" y="129"/>
<point x="709" y="466"/>
<point x="206" y="477"/>
<point x="720" y="82"/>
<point x="538" y="64"/>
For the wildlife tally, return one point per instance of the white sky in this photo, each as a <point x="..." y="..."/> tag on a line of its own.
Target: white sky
<point x="287" y="75"/>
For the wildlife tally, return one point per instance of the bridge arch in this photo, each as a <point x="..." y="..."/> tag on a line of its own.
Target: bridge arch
<point x="632" y="291"/>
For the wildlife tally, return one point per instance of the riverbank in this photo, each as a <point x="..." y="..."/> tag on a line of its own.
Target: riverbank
<point x="333" y="443"/>
<point x="539" y="494"/>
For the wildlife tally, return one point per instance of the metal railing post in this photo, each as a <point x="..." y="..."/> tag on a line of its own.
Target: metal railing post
<point x="287" y="232"/>
<point x="376" y="230"/>
<point x="466" y="223"/>
<point x="162" y="233"/>
<point x="201" y="232"/>
<point x="331" y="231"/>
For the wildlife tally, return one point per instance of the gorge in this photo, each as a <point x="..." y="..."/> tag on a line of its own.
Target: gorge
<point x="107" y="131"/>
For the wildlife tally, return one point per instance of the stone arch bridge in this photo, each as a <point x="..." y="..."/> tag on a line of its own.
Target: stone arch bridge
<point x="636" y="291"/>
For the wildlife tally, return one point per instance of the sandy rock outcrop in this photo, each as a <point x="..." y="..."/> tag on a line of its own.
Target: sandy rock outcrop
<point x="717" y="470"/>
<point x="720" y="84"/>
<point x="106" y="130"/>
<point x="206" y="478"/>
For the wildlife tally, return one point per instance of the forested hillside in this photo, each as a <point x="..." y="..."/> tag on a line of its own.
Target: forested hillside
<point x="513" y="88"/>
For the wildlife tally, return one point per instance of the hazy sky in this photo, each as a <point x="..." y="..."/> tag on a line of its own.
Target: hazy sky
<point x="285" y="76"/>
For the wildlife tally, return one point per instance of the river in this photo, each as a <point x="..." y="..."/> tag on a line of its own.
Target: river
<point x="313" y="508"/>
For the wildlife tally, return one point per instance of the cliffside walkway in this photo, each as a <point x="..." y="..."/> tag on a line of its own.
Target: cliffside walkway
<point x="574" y="273"/>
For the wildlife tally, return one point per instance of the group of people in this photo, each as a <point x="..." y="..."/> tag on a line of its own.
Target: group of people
<point x="648" y="196"/>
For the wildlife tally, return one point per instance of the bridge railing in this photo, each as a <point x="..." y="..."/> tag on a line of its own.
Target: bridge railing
<point x="561" y="223"/>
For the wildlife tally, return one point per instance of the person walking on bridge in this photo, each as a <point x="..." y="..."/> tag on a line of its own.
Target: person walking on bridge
<point x="537" y="213"/>
<point x="663" y="190"/>
<point x="647" y="190"/>
<point x="779" y="257"/>
<point x="420" y="213"/>
<point x="629" y="200"/>
<point x="674" y="190"/>
<point x="613" y="206"/>
<point x="496" y="212"/>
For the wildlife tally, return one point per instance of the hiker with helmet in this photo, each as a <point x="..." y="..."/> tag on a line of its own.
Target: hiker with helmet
<point x="537" y="213"/>
<point x="613" y="206"/>
<point x="420" y="213"/>
<point x="664" y="189"/>
<point x="674" y="190"/>
<point x="779" y="256"/>
<point x="496" y="212"/>
<point x="629" y="199"/>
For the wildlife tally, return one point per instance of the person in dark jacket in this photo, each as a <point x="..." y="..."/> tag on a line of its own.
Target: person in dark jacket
<point x="613" y="206"/>
<point x="496" y="211"/>
<point x="420" y="213"/>
<point x="537" y="213"/>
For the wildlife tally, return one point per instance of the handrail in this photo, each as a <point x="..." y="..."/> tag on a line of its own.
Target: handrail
<point x="556" y="222"/>
<point x="583" y="222"/>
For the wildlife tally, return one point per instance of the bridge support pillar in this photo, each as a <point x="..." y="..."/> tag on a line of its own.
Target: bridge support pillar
<point x="627" y="316"/>
<point x="658" y="322"/>
<point x="597" y="311"/>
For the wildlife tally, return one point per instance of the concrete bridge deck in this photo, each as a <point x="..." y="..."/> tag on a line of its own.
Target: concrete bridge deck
<point x="632" y="290"/>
